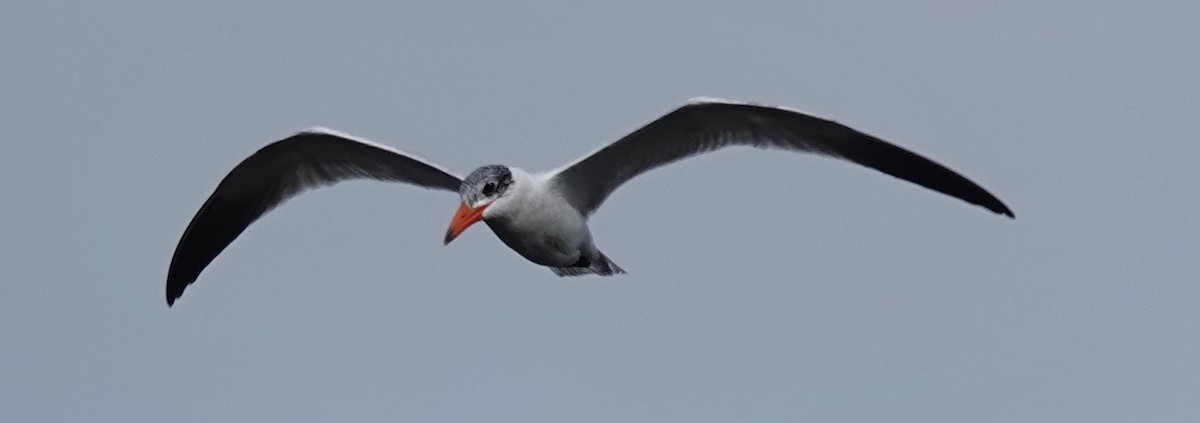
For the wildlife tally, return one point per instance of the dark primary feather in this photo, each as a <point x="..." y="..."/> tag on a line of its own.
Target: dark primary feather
<point x="278" y="172"/>
<point x="704" y="126"/>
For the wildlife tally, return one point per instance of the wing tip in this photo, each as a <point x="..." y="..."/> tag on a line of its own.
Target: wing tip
<point x="172" y="295"/>
<point x="1004" y="210"/>
<point x="174" y="291"/>
<point x="994" y="205"/>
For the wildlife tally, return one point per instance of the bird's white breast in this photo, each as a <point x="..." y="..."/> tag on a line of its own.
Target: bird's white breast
<point x="538" y="223"/>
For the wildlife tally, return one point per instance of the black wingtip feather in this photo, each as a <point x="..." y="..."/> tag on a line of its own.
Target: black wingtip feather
<point x="870" y="151"/>
<point x="223" y="220"/>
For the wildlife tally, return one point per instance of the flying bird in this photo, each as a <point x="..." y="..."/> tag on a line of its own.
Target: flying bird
<point x="541" y="216"/>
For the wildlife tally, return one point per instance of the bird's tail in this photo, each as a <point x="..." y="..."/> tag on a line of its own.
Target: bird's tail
<point x="603" y="267"/>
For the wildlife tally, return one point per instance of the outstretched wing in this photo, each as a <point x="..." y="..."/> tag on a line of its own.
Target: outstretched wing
<point x="705" y="125"/>
<point x="279" y="171"/>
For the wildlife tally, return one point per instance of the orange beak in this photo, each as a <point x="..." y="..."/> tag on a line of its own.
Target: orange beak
<point x="463" y="219"/>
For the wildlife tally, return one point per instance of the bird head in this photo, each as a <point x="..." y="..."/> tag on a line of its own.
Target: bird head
<point x="478" y="191"/>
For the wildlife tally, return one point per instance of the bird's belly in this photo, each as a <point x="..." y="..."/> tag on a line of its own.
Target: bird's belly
<point x="548" y="242"/>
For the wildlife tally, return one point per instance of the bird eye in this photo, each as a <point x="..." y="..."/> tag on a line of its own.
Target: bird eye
<point x="489" y="188"/>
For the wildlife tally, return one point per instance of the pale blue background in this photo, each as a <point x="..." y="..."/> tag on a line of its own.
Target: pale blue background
<point x="762" y="287"/>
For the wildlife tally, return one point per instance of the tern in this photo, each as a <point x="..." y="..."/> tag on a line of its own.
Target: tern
<point x="541" y="216"/>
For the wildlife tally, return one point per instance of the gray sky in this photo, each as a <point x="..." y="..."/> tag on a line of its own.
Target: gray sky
<point x="762" y="285"/>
